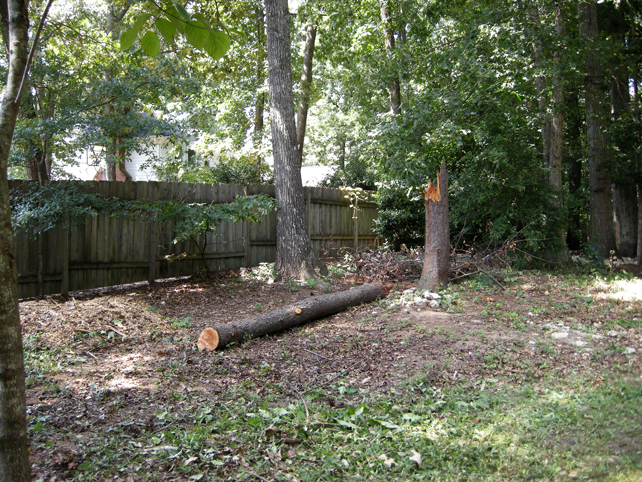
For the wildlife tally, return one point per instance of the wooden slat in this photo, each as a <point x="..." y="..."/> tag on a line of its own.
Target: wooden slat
<point x="106" y="251"/>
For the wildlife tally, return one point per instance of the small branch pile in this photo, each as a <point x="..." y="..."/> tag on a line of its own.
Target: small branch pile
<point x="384" y="265"/>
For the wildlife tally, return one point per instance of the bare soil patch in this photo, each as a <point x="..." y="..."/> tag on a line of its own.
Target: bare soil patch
<point x="131" y="352"/>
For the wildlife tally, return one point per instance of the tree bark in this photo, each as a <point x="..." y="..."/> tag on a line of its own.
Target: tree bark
<point x="437" y="251"/>
<point x="14" y="459"/>
<point x="625" y="199"/>
<point x="601" y="235"/>
<point x="575" y="236"/>
<point x="306" y="310"/>
<point x="306" y="88"/>
<point x="540" y="88"/>
<point x="260" y="96"/>
<point x="557" y="133"/>
<point x="294" y="255"/>
<point x="394" y="89"/>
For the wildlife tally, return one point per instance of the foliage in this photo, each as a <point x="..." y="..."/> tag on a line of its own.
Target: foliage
<point x="356" y="173"/>
<point x="199" y="219"/>
<point x="37" y="209"/>
<point x="401" y="219"/>
<point x="249" y="169"/>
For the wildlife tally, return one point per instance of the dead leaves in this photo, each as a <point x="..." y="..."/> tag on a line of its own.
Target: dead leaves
<point x="389" y="462"/>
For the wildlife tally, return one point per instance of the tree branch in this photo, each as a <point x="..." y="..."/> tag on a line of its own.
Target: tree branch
<point x="32" y="51"/>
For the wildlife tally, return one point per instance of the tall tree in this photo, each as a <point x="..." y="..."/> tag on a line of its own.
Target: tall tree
<point x="557" y="127"/>
<point x="294" y="255"/>
<point x="306" y="87"/>
<point x="622" y="134"/>
<point x="394" y="88"/>
<point x="601" y="234"/>
<point x="14" y="459"/>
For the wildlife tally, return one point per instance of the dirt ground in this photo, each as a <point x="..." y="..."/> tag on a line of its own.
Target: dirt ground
<point x="130" y="349"/>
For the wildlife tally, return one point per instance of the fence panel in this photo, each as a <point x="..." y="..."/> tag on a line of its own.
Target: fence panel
<point x="107" y="251"/>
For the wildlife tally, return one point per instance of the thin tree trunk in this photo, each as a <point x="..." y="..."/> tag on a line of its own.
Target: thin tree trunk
<point x="294" y="255"/>
<point x="557" y="132"/>
<point x="14" y="459"/>
<point x="437" y="251"/>
<point x="601" y="234"/>
<point x="394" y="89"/>
<point x="575" y="154"/>
<point x="306" y="88"/>
<point x="540" y="88"/>
<point x="260" y="96"/>
<point x="625" y="199"/>
<point x="636" y="113"/>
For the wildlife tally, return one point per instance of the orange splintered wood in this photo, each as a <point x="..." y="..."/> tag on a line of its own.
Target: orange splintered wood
<point x="431" y="193"/>
<point x="208" y="339"/>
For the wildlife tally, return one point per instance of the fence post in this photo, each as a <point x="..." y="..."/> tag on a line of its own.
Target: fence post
<point x="355" y="223"/>
<point x="64" y="285"/>
<point x="151" y="258"/>
<point x="246" y="237"/>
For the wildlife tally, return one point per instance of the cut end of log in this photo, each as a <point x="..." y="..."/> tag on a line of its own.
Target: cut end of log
<point x="431" y="193"/>
<point x="208" y="340"/>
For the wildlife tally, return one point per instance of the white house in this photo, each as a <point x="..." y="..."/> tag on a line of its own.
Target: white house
<point x="91" y="165"/>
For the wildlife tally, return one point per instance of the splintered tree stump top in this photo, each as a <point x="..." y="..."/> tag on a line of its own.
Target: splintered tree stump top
<point x="306" y="310"/>
<point x="437" y="251"/>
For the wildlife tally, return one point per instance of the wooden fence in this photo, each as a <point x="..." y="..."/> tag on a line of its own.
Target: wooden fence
<point x="108" y="251"/>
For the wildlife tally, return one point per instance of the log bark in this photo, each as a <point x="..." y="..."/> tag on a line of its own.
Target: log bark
<point x="306" y="310"/>
<point x="437" y="258"/>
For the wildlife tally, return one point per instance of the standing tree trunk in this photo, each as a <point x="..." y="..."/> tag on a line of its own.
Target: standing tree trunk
<point x="306" y="88"/>
<point x="575" y="236"/>
<point x="625" y="199"/>
<point x="260" y="96"/>
<point x="116" y="170"/>
<point x="557" y="132"/>
<point x="437" y="252"/>
<point x="294" y="255"/>
<point x="14" y="458"/>
<point x="394" y="89"/>
<point x="601" y="234"/>
<point x="540" y="88"/>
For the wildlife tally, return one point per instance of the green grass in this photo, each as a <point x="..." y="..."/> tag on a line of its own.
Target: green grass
<point x="578" y="429"/>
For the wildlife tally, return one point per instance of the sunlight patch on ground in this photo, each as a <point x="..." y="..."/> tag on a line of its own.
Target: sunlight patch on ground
<point x="625" y="290"/>
<point x="122" y="382"/>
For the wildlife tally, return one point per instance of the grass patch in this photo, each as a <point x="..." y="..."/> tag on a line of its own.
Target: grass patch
<point x="581" y="429"/>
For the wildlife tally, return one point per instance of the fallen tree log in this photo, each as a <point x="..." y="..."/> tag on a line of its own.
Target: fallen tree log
<point x="308" y="309"/>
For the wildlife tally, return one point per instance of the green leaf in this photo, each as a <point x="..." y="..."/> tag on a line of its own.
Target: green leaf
<point x="196" y="34"/>
<point x="347" y="424"/>
<point x="166" y="29"/>
<point x="130" y="35"/>
<point x="201" y="18"/>
<point x="150" y="44"/>
<point x="182" y="12"/>
<point x="217" y="44"/>
<point x="127" y="38"/>
<point x="174" y="17"/>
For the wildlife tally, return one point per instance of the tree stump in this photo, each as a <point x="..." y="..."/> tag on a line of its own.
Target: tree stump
<point x="437" y="252"/>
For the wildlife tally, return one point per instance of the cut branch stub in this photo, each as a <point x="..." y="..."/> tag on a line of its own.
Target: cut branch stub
<point x="306" y="310"/>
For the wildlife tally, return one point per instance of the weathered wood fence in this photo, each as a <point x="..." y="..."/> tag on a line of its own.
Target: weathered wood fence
<point x="108" y="251"/>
